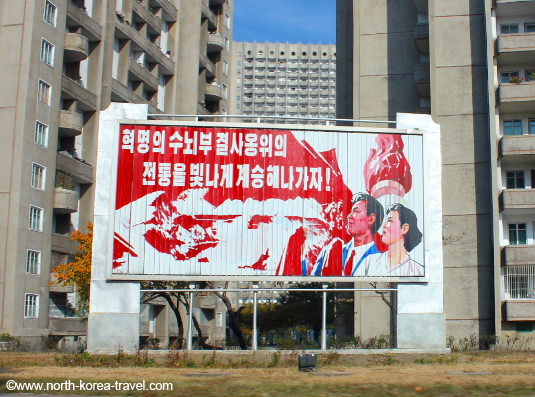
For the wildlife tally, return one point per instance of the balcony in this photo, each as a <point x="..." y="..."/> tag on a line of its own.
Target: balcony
<point x="208" y="14"/>
<point x="65" y="201"/>
<point x="61" y="243"/>
<point x="422" y="78"/>
<point x="517" y="97"/>
<point x="518" y="254"/>
<point x="517" y="145"/>
<point x="168" y="9"/>
<point x="81" y="171"/>
<point x="153" y="21"/>
<point x="153" y="52"/>
<point x="139" y="73"/>
<point x="67" y="326"/>
<point x="77" y="17"/>
<point x="55" y="287"/>
<point x="206" y="63"/>
<point x="216" y="42"/>
<point x="421" y="38"/>
<point x="214" y="92"/>
<point x="76" y="47"/>
<point x="519" y="310"/>
<point x="516" y="48"/>
<point x="70" y="123"/>
<point x="74" y="90"/>
<point x="207" y="302"/>
<point x="517" y="199"/>
<point x="121" y="93"/>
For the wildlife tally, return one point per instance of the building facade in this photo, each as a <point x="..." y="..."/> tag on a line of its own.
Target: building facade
<point x="469" y="64"/>
<point x="63" y="62"/>
<point x="283" y="80"/>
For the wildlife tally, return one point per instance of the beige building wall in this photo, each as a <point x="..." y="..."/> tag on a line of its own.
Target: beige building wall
<point x="63" y="62"/>
<point x="430" y="57"/>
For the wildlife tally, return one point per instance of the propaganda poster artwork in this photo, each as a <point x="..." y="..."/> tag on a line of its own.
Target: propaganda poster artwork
<point x="211" y="201"/>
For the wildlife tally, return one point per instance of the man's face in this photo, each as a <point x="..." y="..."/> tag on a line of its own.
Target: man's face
<point x="393" y="231"/>
<point x="358" y="223"/>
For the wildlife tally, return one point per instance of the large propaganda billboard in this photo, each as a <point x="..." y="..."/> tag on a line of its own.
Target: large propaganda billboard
<point x="202" y="201"/>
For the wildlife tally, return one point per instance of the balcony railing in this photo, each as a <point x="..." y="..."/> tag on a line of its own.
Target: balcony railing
<point x="513" y="145"/>
<point x="155" y="22"/>
<point x="516" y="43"/>
<point x="517" y="198"/>
<point x="517" y="93"/>
<point x="519" y="282"/>
<point x="76" y="47"/>
<point x="216" y="42"/>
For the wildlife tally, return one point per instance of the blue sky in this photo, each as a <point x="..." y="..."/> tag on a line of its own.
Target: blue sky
<point x="305" y="21"/>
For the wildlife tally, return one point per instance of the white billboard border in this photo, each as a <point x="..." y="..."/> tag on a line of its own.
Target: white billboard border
<point x="112" y="186"/>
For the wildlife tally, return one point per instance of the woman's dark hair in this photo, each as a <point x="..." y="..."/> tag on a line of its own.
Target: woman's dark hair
<point x="406" y="216"/>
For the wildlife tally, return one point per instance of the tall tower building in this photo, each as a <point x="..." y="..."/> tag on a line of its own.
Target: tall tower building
<point x="282" y="79"/>
<point x="63" y="62"/>
<point x="431" y="56"/>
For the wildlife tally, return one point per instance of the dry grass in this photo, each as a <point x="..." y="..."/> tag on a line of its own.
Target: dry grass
<point x="512" y="374"/>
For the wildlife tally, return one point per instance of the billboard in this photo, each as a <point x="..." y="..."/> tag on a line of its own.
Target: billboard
<point x="207" y="201"/>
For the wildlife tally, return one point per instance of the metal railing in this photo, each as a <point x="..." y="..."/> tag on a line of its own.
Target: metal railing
<point x="258" y="118"/>
<point x="519" y="282"/>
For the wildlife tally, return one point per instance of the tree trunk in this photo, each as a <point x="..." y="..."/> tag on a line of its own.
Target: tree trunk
<point x="233" y="320"/>
<point x="174" y="307"/>
<point x="196" y="324"/>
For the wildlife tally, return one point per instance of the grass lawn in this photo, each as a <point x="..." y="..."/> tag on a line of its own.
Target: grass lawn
<point x="457" y="374"/>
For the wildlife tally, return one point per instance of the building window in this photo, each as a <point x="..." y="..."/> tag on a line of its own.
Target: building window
<point x="227" y="43"/>
<point x="529" y="27"/>
<point x="509" y="28"/>
<point x="33" y="262"/>
<point x="49" y="14"/>
<point x="47" y="52"/>
<point x="225" y="67"/>
<point x="43" y="92"/>
<point x="227" y="21"/>
<point x="531" y="126"/>
<point x="512" y="127"/>
<point x="41" y="134"/>
<point x="507" y="76"/>
<point x="524" y="327"/>
<point x="38" y="176"/>
<point x="515" y="180"/>
<point x="36" y="219"/>
<point x="517" y="234"/>
<point x="31" y="305"/>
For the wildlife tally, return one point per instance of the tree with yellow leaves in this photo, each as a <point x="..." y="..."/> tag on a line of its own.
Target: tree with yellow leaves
<point x="78" y="272"/>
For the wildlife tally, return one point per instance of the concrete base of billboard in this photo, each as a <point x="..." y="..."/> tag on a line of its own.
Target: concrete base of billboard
<point x="113" y="323"/>
<point x="421" y="331"/>
<point x="420" y="313"/>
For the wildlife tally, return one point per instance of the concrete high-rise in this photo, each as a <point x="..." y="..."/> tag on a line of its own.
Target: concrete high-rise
<point x="63" y="61"/>
<point x="470" y="65"/>
<point x="282" y="79"/>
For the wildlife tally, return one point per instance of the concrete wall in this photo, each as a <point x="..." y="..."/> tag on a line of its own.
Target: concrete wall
<point x="384" y="56"/>
<point x="459" y="105"/>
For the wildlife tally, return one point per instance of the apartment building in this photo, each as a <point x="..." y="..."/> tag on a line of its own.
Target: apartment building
<point x="284" y="80"/>
<point x="63" y="61"/>
<point x="470" y="65"/>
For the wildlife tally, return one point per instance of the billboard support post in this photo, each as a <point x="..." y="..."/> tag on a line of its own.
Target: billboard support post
<point x="324" y="318"/>
<point x="189" y="344"/>
<point x="255" y="313"/>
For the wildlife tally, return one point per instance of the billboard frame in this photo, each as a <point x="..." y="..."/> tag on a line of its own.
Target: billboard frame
<point x="112" y="185"/>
